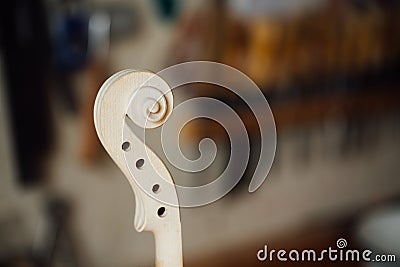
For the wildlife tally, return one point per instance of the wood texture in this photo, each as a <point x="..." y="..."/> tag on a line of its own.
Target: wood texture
<point x="111" y="106"/>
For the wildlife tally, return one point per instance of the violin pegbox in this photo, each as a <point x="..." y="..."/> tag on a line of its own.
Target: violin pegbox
<point x="145" y="99"/>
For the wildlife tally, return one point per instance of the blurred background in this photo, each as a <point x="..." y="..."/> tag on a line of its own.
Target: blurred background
<point x="329" y="69"/>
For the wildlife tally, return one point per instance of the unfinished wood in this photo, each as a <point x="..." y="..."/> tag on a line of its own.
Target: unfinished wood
<point x="114" y="101"/>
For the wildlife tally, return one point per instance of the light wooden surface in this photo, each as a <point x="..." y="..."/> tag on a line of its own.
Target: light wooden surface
<point x="114" y="101"/>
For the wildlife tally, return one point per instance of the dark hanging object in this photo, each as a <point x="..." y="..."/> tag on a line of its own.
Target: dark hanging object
<point x="167" y="9"/>
<point x="26" y="50"/>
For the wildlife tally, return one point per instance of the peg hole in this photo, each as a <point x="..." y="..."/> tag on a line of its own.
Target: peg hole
<point x="161" y="212"/>
<point x="126" y="146"/>
<point x="156" y="189"/>
<point x="139" y="163"/>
